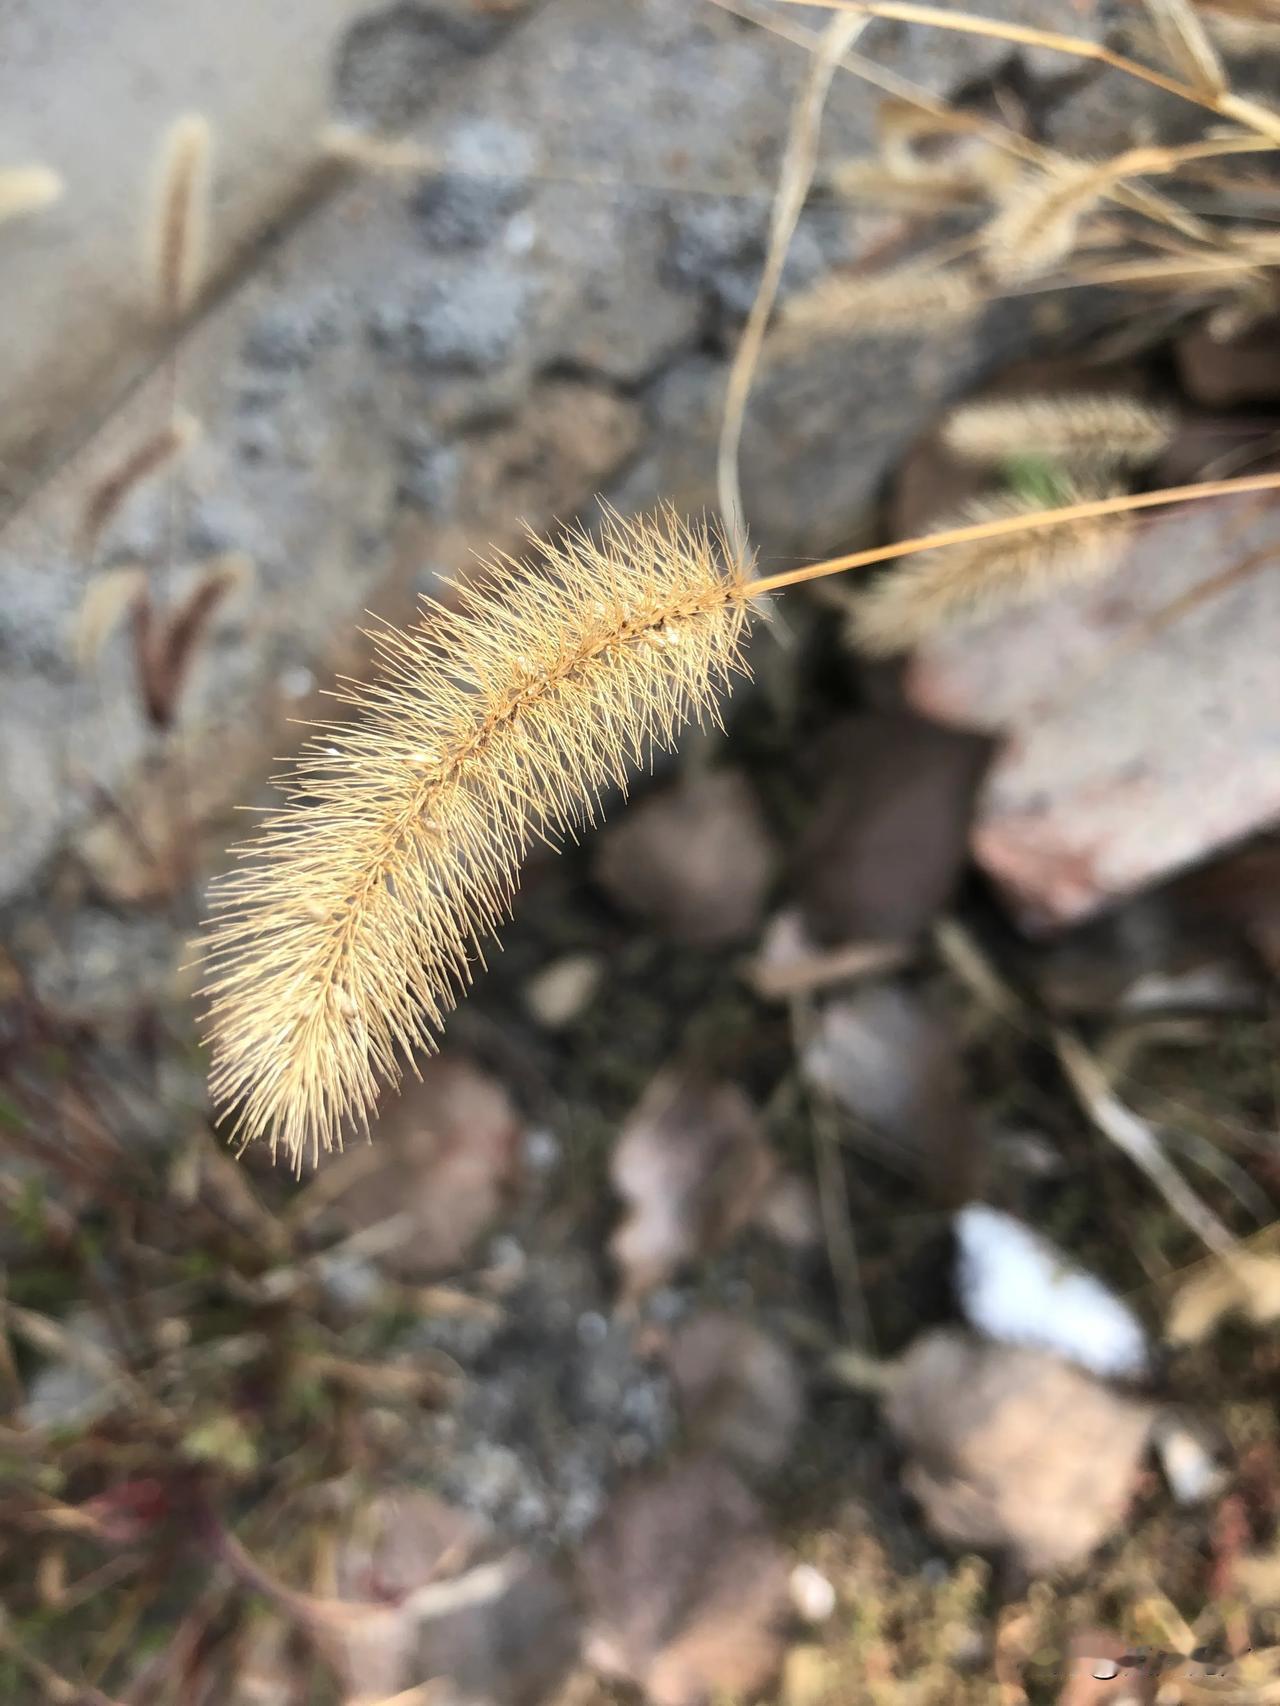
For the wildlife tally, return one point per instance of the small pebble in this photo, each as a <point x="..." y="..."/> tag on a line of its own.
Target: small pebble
<point x="557" y="995"/>
<point x="541" y="1150"/>
<point x="1190" y="1470"/>
<point x="593" y="1329"/>
<point x="296" y="682"/>
<point x="812" y="1594"/>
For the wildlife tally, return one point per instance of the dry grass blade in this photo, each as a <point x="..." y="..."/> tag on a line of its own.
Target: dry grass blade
<point x="359" y="912"/>
<point x="794" y="182"/>
<point x="1255" y="116"/>
<point x="963" y="583"/>
<point x="1008" y="142"/>
<point x="1084" y="431"/>
<point x="1187" y="43"/>
<point x="178" y="232"/>
<point x="26" y="189"/>
<point x="155" y="453"/>
<point x="1139" y="1142"/>
<point x="888" y="303"/>
<point x="906" y="132"/>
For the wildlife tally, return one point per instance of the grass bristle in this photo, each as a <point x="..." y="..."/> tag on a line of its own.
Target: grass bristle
<point x="356" y="917"/>
<point x="1088" y="432"/>
<point x="895" y="302"/>
<point x="959" y="584"/>
<point x="178" y="232"/>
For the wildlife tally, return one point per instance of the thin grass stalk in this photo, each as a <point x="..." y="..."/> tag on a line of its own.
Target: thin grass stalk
<point x="1243" y="111"/>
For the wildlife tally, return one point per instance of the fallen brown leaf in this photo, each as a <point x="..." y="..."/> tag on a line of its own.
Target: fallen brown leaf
<point x="403" y="1539"/>
<point x="695" y="860"/>
<point x="694" y="1169"/>
<point x="889" y="840"/>
<point x="1011" y="1448"/>
<point x="504" y="1630"/>
<point x="686" y="1591"/>
<point x="445" y="1156"/>
<point x="740" y="1391"/>
<point x="894" y="1063"/>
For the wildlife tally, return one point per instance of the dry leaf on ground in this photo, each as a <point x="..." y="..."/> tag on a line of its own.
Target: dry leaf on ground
<point x="889" y="840"/>
<point x="694" y="1169"/>
<point x="444" y="1157"/>
<point x="894" y="1064"/>
<point x="1224" y="372"/>
<point x="401" y="1540"/>
<point x="1011" y="1448"/>
<point x="1248" y="1285"/>
<point x="694" y="860"/>
<point x="503" y="1632"/>
<point x="740" y="1391"/>
<point x="687" y="1592"/>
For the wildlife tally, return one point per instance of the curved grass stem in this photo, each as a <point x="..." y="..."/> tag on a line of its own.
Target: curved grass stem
<point x="975" y="533"/>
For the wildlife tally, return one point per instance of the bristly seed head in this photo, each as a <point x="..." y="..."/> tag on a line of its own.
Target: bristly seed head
<point x="349" y="930"/>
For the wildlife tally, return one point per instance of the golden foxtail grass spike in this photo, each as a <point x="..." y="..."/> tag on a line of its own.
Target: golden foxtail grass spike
<point x="358" y="914"/>
<point x="1039" y="221"/>
<point x="178" y="233"/>
<point x="890" y="302"/>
